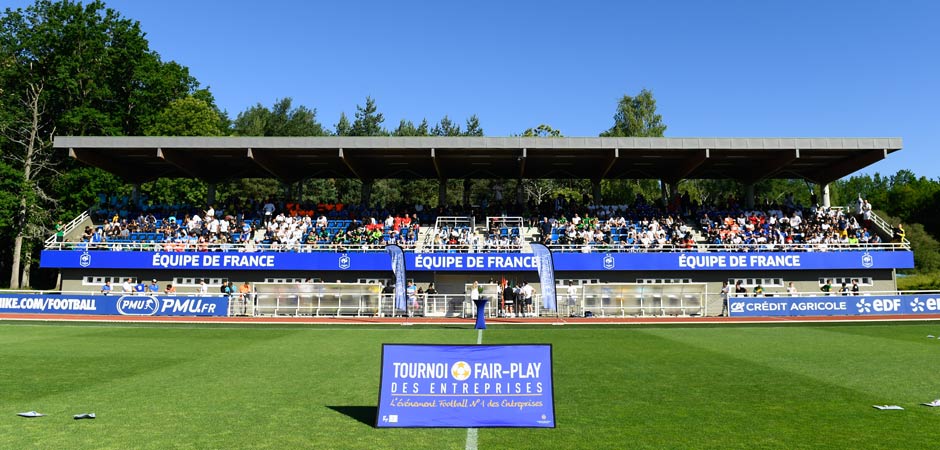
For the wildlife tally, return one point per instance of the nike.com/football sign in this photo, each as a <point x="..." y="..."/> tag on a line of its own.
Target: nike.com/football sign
<point x="466" y="386"/>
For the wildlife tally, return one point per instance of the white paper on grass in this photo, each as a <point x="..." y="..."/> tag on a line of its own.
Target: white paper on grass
<point x="30" y="414"/>
<point x="932" y="404"/>
<point x="887" y="407"/>
<point x="84" y="416"/>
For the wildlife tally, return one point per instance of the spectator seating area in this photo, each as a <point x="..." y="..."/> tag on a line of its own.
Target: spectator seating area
<point x="286" y="226"/>
<point x="778" y="227"/>
<point x="617" y="228"/>
<point x="294" y="229"/>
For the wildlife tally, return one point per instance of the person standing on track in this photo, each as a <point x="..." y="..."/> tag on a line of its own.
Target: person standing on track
<point x="725" y="290"/>
<point x="527" y="292"/>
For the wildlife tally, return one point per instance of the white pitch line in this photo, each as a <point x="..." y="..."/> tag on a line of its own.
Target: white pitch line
<point x="473" y="433"/>
<point x="471" y="439"/>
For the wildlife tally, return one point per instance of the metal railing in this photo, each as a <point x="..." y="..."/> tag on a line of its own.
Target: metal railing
<point x="367" y="303"/>
<point x="69" y="227"/>
<point x="458" y="248"/>
<point x="197" y="247"/>
<point x="706" y="248"/>
<point x="467" y="248"/>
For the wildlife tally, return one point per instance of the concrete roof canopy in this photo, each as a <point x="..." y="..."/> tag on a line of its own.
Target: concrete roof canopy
<point x="213" y="159"/>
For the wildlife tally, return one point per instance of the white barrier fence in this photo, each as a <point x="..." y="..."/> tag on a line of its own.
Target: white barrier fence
<point x="367" y="300"/>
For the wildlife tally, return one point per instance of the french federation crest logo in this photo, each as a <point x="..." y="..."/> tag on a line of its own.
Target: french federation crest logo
<point x="344" y="262"/>
<point x="867" y="260"/>
<point x="85" y="259"/>
<point x="608" y="261"/>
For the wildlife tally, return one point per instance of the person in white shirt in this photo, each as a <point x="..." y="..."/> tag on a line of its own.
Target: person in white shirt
<point x="127" y="287"/>
<point x="796" y="220"/>
<point x="527" y="291"/>
<point x="572" y="295"/>
<point x="203" y="287"/>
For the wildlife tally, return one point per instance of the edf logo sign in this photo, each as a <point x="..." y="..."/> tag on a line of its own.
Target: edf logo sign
<point x="879" y="305"/>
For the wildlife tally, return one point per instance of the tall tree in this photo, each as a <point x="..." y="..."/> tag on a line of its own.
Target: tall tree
<point x="86" y="71"/>
<point x="446" y="127"/>
<point x="368" y="120"/>
<point x="473" y="127"/>
<point x="406" y="128"/>
<point x="187" y="116"/>
<point x="343" y="127"/>
<point x="281" y="120"/>
<point x="30" y="134"/>
<point x="636" y="116"/>
<point x="542" y="130"/>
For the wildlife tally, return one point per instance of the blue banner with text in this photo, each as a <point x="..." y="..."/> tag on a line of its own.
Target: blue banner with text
<point x="472" y="262"/>
<point x="115" y="305"/>
<point x="466" y="386"/>
<point x="834" y="305"/>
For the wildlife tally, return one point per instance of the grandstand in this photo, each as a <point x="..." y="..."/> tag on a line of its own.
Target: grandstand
<point x="644" y="258"/>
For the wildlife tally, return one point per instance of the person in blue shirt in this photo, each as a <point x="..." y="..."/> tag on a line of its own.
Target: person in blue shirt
<point x="106" y="289"/>
<point x="154" y="287"/>
<point x="140" y="287"/>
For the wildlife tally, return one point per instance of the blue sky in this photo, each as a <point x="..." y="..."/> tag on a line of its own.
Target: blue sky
<point x="716" y="68"/>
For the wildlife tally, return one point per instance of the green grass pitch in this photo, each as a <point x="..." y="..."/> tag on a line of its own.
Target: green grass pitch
<point x="287" y="387"/>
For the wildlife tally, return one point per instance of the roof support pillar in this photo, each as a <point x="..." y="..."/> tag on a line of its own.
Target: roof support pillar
<point x="366" y="193"/>
<point x="824" y="188"/>
<point x="749" y="196"/>
<point x="135" y="195"/>
<point x="466" y="192"/>
<point x="663" y="193"/>
<point x="520" y="193"/>
<point x="441" y="191"/>
<point x="210" y="194"/>
<point x="596" y="190"/>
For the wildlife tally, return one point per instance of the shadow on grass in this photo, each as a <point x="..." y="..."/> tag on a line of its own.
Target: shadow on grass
<point x="364" y="414"/>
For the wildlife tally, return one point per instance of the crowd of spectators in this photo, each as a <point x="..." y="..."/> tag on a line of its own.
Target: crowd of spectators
<point x="269" y="224"/>
<point x="779" y="226"/>
<point x="638" y="226"/>
<point x="466" y="240"/>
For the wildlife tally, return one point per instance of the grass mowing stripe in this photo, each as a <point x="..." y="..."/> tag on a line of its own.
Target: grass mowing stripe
<point x="825" y="354"/>
<point x="473" y="433"/>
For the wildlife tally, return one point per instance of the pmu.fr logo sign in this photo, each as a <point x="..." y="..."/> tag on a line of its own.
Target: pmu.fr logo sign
<point x="609" y="262"/>
<point x="344" y="262"/>
<point x="137" y="305"/>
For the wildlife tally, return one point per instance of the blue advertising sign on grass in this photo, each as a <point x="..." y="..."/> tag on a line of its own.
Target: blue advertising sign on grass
<point x="466" y="386"/>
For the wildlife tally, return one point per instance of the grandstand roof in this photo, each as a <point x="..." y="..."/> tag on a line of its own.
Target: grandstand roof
<point x="141" y="159"/>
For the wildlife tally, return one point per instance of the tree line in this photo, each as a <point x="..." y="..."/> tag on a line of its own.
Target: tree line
<point x="68" y="68"/>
